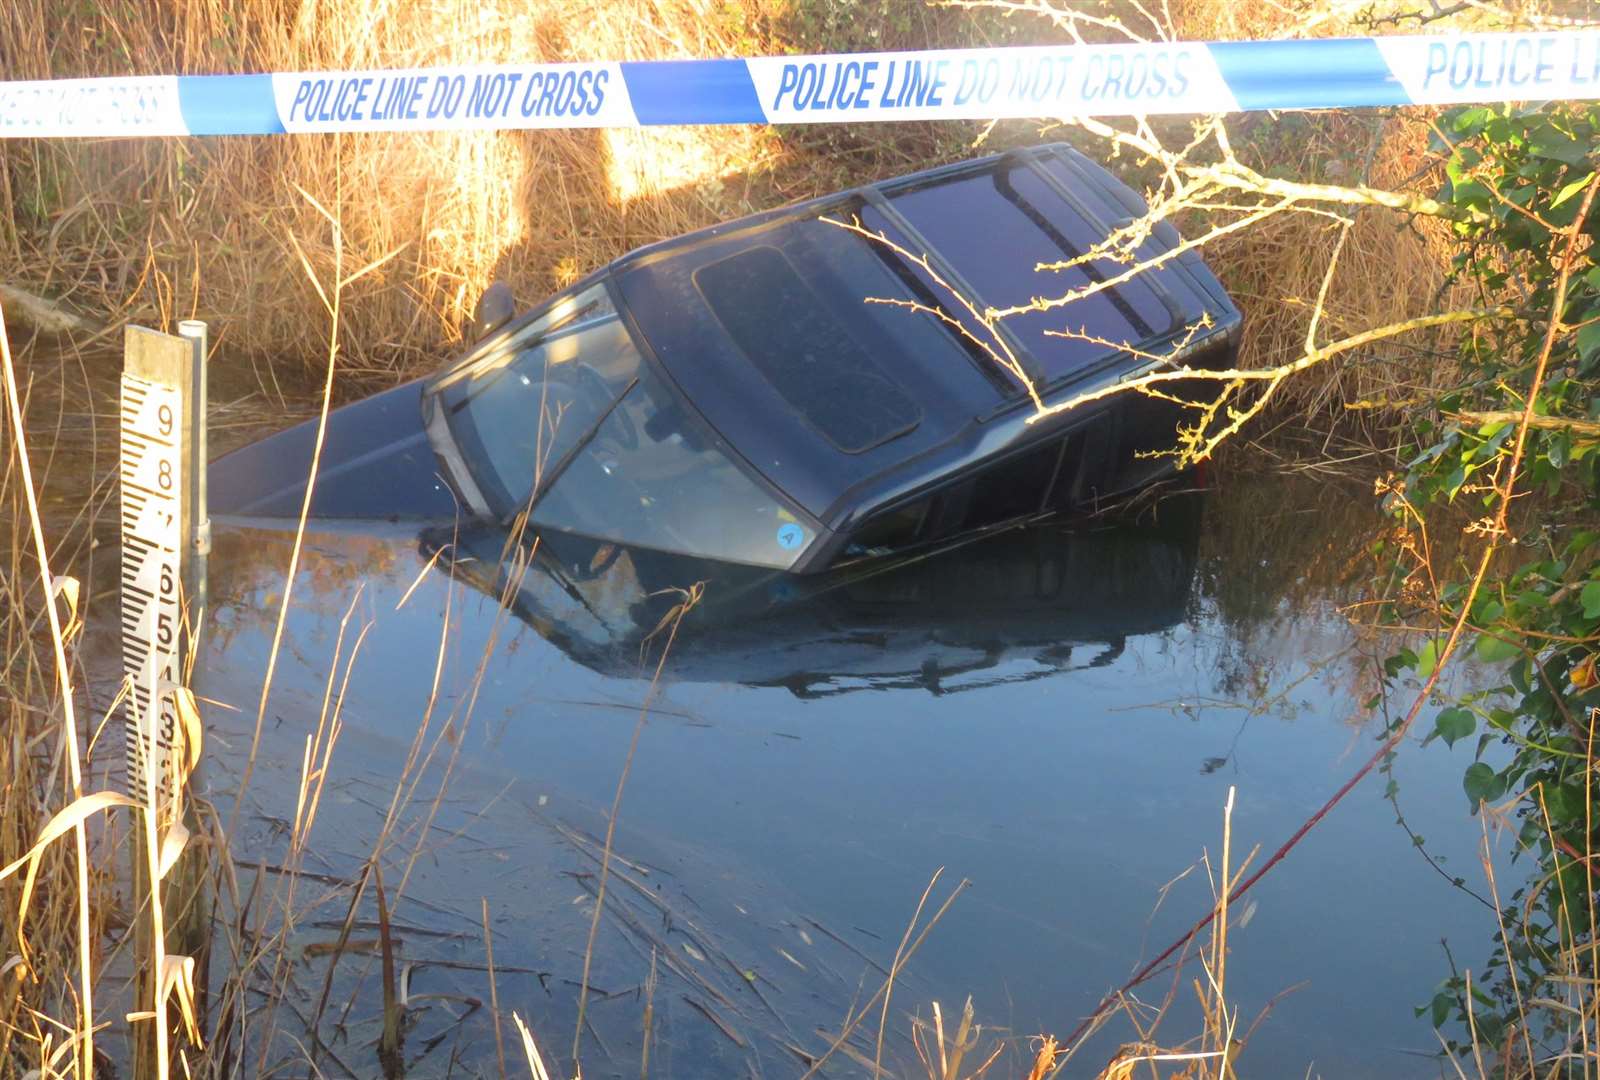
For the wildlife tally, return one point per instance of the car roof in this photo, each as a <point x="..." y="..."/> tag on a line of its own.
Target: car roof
<point x="769" y="325"/>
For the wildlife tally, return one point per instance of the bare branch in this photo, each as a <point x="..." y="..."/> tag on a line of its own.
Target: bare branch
<point x="1047" y="303"/>
<point x="1205" y="322"/>
<point x="1327" y="282"/>
<point x="1197" y="446"/>
<point x="1548" y="423"/>
<point x="1001" y="351"/>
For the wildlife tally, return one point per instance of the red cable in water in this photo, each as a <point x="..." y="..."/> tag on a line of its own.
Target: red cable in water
<point x="1277" y="856"/>
<point x="1552" y="327"/>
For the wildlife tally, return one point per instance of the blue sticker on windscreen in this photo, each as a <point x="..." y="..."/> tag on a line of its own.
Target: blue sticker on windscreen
<point x="790" y="536"/>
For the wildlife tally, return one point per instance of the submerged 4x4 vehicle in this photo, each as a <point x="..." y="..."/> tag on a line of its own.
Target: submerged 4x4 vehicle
<point x="737" y="394"/>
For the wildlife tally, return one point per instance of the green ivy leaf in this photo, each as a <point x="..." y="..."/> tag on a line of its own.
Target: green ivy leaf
<point x="1558" y="448"/>
<point x="1471" y="193"/>
<point x="1564" y="802"/>
<point x="1427" y="659"/>
<point x="1590" y="599"/>
<point x="1397" y="663"/>
<point x="1481" y="784"/>
<point x="1439" y="1008"/>
<point x="1519" y="674"/>
<point x="1571" y="189"/>
<point x="1589" y="342"/>
<point x="1452" y="724"/>
<point x="1580" y="540"/>
<point x="1469" y="120"/>
<point x="1492" y="650"/>
<point x="1553" y="145"/>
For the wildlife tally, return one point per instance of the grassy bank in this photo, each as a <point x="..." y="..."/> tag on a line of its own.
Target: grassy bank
<point x="162" y="230"/>
<point x="159" y="230"/>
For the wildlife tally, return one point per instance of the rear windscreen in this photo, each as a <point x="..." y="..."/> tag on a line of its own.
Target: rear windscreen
<point x="813" y="360"/>
<point x="996" y="227"/>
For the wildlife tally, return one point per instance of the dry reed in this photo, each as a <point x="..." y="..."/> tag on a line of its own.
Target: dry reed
<point x="162" y="230"/>
<point x="64" y="890"/>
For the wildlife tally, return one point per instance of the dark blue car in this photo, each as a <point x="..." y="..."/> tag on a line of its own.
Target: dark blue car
<point x="742" y="394"/>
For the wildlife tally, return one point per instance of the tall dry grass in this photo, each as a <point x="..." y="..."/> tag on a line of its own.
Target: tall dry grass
<point x="161" y="230"/>
<point x="1393" y="267"/>
<point x="1195" y="982"/>
<point x="56" y="914"/>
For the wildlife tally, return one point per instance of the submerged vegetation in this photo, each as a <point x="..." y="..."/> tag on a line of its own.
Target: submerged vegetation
<point x="1464" y="372"/>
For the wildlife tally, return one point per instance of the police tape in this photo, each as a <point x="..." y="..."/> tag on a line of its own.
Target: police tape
<point x="945" y="84"/>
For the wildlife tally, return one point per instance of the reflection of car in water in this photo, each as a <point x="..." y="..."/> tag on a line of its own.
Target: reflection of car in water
<point x="732" y="394"/>
<point x="1022" y="604"/>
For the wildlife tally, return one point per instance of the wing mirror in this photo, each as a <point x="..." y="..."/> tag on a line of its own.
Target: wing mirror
<point x="495" y="308"/>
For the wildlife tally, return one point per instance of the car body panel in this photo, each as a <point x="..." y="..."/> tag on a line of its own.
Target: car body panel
<point x="376" y="462"/>
<point x="759" y="347"/>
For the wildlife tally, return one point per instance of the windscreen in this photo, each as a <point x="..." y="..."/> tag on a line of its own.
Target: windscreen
<point x="516" y="414"/>
<point x="651" y="476"/>
<point x="572" y="418"/>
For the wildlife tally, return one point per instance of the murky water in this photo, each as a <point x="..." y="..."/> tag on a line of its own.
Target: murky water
<point x="1054" y="715"/>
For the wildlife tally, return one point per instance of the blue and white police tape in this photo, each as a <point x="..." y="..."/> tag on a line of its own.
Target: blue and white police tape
<point x="945" y="84"/>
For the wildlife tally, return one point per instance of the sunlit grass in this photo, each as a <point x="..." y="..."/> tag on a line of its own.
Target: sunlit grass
<point x="167" y="230"/>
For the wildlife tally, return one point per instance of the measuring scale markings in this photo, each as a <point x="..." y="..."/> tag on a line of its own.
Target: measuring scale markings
<point x="151" y="544"/>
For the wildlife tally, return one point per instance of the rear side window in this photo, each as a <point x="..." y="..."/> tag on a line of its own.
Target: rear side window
<point x="995" y="228"/>
<point x="1021" y="486"/>
<point x="892" y="530"/>
<point x="811" y="358"/>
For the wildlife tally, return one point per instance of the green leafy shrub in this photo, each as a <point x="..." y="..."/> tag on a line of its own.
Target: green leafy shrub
<point x="1519" y="178"/>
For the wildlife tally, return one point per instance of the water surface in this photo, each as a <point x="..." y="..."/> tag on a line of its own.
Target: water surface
<point x="1055" y="715"/>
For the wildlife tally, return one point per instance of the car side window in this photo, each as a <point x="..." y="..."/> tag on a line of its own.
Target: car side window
<point x="890" y="530"/>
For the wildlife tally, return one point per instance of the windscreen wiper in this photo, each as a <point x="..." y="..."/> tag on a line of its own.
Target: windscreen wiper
<point x="547" y="481"/>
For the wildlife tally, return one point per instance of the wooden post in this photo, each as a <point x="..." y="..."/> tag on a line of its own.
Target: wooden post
<point x="163" y="583"/>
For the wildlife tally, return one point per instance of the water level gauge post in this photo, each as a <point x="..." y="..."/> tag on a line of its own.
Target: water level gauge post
<point x="162" y="470"/>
